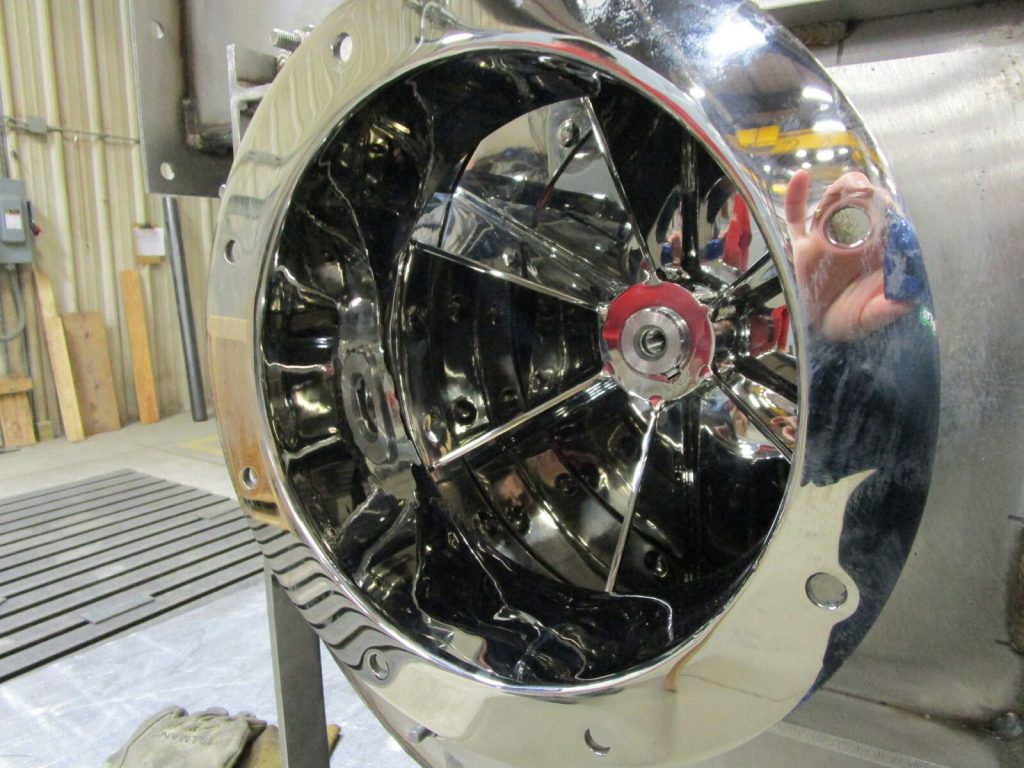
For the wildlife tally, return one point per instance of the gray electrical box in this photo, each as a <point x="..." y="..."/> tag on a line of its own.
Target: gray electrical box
<point x="15" y="224"/>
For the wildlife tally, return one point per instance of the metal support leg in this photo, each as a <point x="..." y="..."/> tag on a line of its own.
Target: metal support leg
<point x="298" y="681"/>
<point x="172" y="222"/>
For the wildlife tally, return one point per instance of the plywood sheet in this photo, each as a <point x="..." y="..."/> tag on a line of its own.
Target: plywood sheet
<point x="94" y="376"/>
<point x="16" y="420"/>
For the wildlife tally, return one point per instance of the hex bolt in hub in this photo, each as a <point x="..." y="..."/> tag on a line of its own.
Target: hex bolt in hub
<point x="658" y="341"/>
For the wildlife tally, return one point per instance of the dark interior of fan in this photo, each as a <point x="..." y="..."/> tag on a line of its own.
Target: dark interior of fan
<point x="432" y="365"/>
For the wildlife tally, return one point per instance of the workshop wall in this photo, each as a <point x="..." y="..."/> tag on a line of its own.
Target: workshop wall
<point x="70" y="63"/>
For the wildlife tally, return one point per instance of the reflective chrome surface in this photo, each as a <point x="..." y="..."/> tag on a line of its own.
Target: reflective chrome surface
<point x="558" y="375"/>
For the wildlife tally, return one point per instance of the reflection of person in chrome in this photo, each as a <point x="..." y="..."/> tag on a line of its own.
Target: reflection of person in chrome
<point x="874" y="378"/>
<point x="856" y="286"/>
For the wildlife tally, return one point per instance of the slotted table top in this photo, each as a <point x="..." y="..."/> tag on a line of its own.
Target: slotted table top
<point x="84" y="561"/>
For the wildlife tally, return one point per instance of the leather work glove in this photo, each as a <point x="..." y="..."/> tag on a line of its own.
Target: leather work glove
<point x="173" y="738"/>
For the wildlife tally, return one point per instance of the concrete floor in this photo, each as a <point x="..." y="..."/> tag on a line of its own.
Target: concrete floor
<point x="77" y="711"/>
<point x="176" y="449"/>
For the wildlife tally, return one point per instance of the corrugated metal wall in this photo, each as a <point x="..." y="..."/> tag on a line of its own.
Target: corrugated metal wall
<point x="70" y="62"/>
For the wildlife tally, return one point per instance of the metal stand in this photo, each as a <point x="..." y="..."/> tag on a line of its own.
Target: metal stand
<point x="298" y="681"/>
<point x="179" y="270"/>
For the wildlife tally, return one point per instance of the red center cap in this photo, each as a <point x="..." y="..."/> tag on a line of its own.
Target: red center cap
<point x="658" y="340"/>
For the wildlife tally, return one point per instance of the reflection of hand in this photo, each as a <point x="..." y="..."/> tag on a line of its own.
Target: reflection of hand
<point x="788" y="424"/>
<point x="843" y="287"/>
<point x="675" y="241"/>
<point x="740" y="422"/>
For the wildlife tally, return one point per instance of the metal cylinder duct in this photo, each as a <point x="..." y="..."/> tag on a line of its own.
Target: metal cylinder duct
<point x="576" y="364"/>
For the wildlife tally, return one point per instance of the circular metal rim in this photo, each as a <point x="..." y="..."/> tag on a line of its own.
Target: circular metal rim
<point x="722" y="644"/>
<point x="293" y="507"/>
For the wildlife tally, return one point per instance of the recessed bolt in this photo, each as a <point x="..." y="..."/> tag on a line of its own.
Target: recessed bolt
<point x="508" y="402"/>
<point x="518" y="518"/>
<point x="435" y="428"/>
<point x="565" y="484"/>
<point x="455" y="308"/>
<point x="541" y="380"/>
<point x="464" y="411"/>
<point x="488" y="525"/>
<point x="417" y="322"/>
<point x="568" y="133"/>
<point x="654" y="561"/>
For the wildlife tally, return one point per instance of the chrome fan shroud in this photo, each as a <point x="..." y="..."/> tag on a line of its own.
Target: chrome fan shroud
<point x="539" y="394"/>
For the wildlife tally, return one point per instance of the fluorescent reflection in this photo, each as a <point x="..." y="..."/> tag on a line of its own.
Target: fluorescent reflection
<point x="456" y="37"/>
<point x="734" y="36"/>
<point x="815" y="93"/>
<point x="828" y="126"/>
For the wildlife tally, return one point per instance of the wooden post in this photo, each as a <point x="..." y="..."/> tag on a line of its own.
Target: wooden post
<point x="138" y="343"/>
<point x="60" y="362"/>
<point x="41" y="401"/>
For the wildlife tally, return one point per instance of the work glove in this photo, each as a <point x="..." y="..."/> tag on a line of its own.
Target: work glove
<point x="173" y="738"/>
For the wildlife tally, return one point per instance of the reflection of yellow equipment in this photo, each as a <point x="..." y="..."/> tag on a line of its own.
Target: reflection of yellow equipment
<point x="770" y="140"/>
<point x="825" y="154"/>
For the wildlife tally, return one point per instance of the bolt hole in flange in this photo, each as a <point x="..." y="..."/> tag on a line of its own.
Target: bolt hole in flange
<point x="596" y="743"/>
<point x="379" y="666"/>
<point x="525" y="277"/>
<point x="826" y="591"/>
<point x="249" y="478"/>
<point x="343" y="47"/>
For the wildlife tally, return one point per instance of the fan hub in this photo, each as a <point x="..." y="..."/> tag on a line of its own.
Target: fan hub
<point x="657" y="340"/>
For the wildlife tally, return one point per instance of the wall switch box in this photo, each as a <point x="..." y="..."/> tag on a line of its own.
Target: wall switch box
<point x="15" y="224"/>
